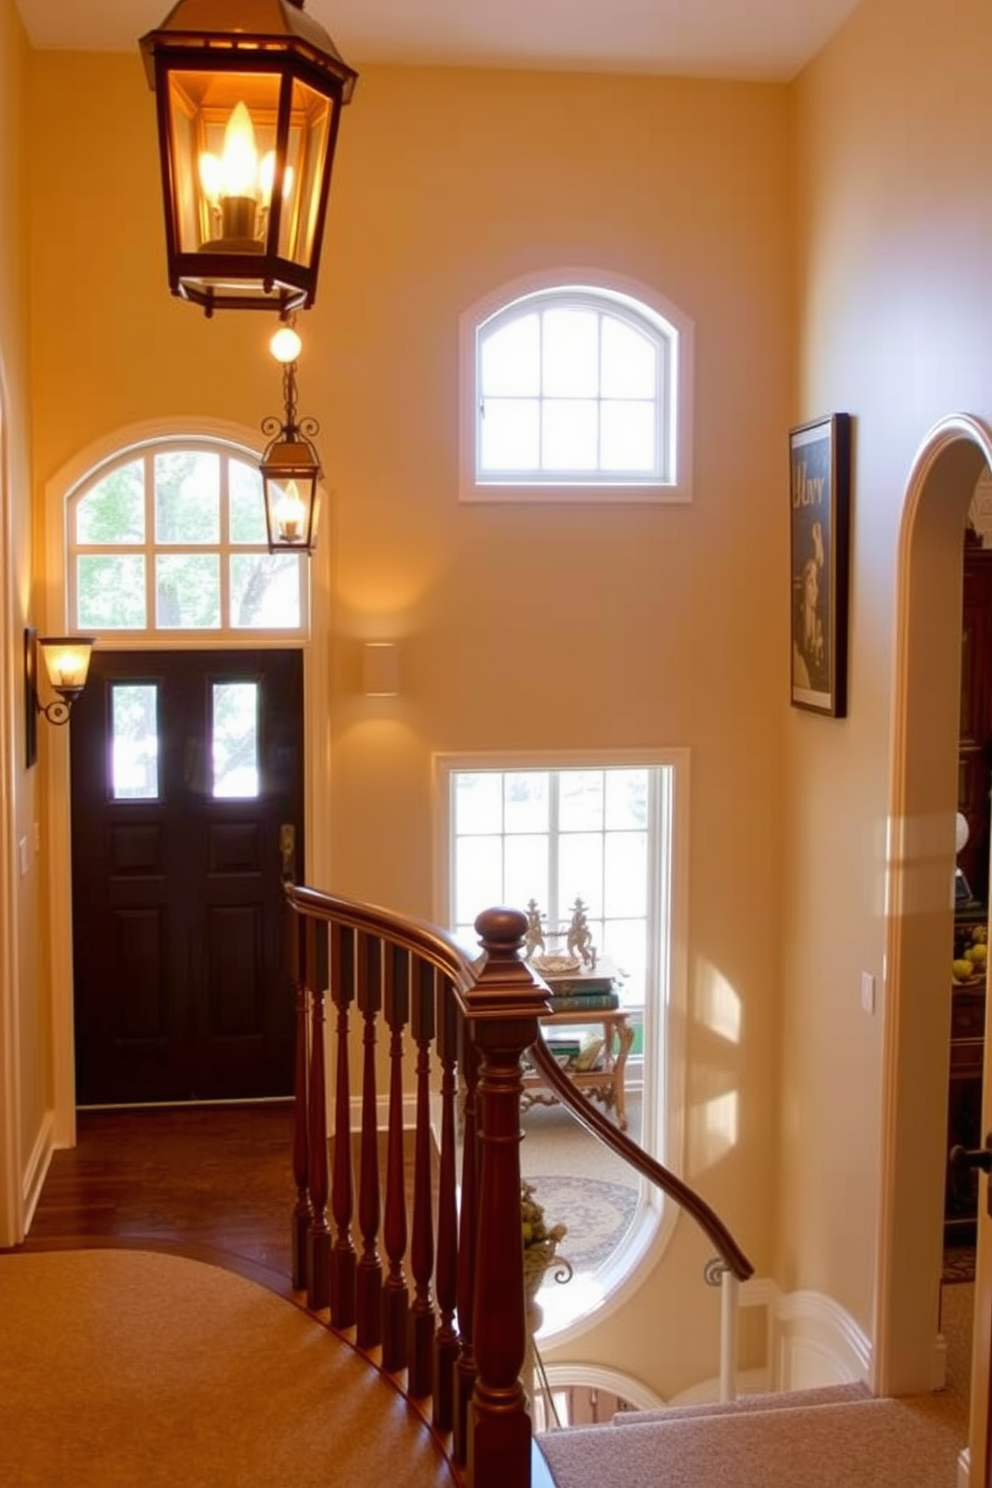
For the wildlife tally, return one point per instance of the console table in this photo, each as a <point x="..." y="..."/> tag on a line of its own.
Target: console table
<point x="605" y="1081"/>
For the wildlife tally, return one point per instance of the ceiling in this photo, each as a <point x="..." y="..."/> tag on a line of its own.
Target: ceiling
<point x="749" y="39"/>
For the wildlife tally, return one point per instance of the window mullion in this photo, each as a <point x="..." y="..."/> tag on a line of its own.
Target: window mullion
<point x="540" y="391"/>
<point x="554" y="848"/>
<point x="151" y="614"/>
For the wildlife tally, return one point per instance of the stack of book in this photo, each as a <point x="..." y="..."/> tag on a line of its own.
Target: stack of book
<point x="584" y="992"/>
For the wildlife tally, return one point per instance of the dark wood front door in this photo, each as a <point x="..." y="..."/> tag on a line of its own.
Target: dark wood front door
<point x="187" y="793"/>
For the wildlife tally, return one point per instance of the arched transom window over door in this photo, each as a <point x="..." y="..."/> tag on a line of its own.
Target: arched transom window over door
<point x="171" y="537"/>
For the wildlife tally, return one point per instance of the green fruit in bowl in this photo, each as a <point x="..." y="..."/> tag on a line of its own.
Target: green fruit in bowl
<point x="962" y="970"/>
<point x="978" y="955"/>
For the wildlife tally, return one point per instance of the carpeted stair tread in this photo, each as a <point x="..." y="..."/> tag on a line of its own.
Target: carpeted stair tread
<point x="123" y="1367"/>
<point x="770" y="1400"/>
<point x="870" y="1444"/>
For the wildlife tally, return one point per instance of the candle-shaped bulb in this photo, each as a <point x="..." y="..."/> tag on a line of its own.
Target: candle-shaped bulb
<point x="240" y="159"/>
<point x="290" y="513"/>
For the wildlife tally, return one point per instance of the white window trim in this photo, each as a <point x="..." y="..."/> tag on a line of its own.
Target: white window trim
<point x="605" y="492"/>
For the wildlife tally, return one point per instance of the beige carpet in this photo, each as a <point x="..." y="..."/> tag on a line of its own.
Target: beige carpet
<point x="127" y="1369"/>
<point x="910" y="1443"/>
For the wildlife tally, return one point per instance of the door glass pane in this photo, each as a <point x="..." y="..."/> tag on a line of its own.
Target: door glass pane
<point x="187" y="591"/>
<point x="235" y="739"/>
<point x="265" y="591"/>
<point x="134" y="722"/>
<point x="187" y="497"/>
<point x="110" y="592"/>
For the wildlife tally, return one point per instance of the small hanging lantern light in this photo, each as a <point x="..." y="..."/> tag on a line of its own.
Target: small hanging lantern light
<point x="249" y="102"/>
<point x="290" y="466"/>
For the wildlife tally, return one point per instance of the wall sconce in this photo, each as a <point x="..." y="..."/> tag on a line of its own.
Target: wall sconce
<point x="248" y="121"/>
<point x="67" y="664"/>
<point x="290" y="466"/>
<point x="380" y="669"/>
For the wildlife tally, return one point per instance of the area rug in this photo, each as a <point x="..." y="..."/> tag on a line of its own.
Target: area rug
<point x="596" y="1215"/>
<point x="122" y="1367"/>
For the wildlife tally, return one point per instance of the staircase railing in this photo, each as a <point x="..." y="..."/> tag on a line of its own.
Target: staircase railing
<point x="408" y="1229"/>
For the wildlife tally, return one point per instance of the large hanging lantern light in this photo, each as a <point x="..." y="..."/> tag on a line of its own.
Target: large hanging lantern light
<point x="249" y="98"/>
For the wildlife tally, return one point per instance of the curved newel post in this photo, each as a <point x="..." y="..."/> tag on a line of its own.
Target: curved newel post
<point x="502" y="1009"/>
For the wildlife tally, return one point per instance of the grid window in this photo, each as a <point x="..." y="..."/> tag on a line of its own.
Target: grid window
<point x="173" y="538"/>
<point x="553" y="836"/>
<point x="580" y="389"/>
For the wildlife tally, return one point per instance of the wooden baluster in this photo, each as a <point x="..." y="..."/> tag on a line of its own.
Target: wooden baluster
<point x="395" y="1293"/>
<point x="319" y="1235"/>
<point x="343" y="1258"/>
<point x="468" y="1223"/>
<point x="420" y="1378"/>
<point x="303" y="1211"/>
<point x="369" y="1275"/>
<point x="503" y="1010"/>
<point x="446" y="1280"/>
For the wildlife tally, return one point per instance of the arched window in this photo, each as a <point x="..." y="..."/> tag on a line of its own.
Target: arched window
<point x="170" y="536"/>
<point x="576" y="390"/>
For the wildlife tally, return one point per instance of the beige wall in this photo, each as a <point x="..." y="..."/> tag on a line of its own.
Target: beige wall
<point x="648" y="625"/>
<point x="894" y="226"/>
<point x="25" y="1036"/>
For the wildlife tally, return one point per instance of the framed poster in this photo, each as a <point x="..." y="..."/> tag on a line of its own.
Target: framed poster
<point x="820" y="499"/>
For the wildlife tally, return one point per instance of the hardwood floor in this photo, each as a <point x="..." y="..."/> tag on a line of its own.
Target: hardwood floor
<point x="211" y="1182"/>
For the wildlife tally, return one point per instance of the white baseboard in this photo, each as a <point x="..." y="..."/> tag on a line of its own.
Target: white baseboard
<point x="816" y="1342"/>
<point x="811" y="1342"/>
<point x="37" y="1167"/>
<point x="964" y="1468"/>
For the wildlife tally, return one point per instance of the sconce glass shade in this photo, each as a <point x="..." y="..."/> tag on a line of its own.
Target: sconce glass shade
<point x="247" y="120"/>
<point x="67" y="663"/>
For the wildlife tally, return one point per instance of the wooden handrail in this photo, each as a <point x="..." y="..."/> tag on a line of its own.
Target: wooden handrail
<point x="435" y="945"/>
<point x="359" y="969"/>
<point x="594" y="1121"/>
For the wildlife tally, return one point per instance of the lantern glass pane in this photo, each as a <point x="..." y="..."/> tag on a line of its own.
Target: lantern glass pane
<point x="311" y="114"/>
<point x="223" y="133"/>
